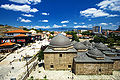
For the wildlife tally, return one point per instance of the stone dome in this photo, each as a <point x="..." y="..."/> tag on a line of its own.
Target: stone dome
<point x="73" y="42"/>
<point x="80" y="46"/>
<point x="95" y="53"/>
<point x="60" y="41"/>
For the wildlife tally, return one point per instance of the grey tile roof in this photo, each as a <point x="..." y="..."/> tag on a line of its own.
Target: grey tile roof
<point x="95" y="53"/>
<point x="82" y="57"/>
<point x="47" y="50"/>
<point x="60" y="41"/>
<point x="80" y="46"/>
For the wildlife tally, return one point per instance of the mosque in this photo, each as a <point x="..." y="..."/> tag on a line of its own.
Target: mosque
<point x="82" y="58"/>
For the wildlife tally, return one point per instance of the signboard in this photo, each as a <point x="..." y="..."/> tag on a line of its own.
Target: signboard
<point x="21" y="40"/>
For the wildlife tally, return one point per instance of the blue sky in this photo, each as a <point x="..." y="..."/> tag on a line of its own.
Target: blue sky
<point x="60" y="13"/>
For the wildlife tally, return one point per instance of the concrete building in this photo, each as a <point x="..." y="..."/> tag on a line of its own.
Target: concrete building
<point x="80" y="57"/>
<point x="97" y="29"/>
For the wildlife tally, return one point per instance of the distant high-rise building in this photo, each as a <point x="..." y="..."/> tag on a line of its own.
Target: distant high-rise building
<point x="97" y="29"/>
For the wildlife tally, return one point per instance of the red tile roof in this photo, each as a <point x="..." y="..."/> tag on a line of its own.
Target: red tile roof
<point x="18" y="31"/>
<point x="21" y="35"/>
<point x="7" y="44"/>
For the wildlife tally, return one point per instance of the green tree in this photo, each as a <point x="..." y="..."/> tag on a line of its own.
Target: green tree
<point x="110" y="41"/>
<point x="75" y="38"/>
<point x="40" y="55"/>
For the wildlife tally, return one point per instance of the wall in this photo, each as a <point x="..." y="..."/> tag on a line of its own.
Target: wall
<point x="59" y="63"/>
<point x="116" y="65"/>
<point x="93" y="68"/>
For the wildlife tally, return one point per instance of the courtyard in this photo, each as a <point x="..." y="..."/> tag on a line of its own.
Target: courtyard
<point x="40" y="73"/>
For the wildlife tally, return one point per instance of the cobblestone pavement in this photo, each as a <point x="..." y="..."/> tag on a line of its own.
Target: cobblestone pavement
<point x="67" y="75"/>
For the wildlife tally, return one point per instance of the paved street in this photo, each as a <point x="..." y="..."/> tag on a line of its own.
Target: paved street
<point x="6" y="71"/>
<point x="67" y="75"/>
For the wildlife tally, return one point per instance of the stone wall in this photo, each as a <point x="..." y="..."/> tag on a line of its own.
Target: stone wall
<point x="116" y="65"/>
<point x="93" y="68"/>
<point x="53" y="61"/>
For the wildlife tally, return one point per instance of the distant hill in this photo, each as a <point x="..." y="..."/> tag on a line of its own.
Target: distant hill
<point x="5" y="28"/>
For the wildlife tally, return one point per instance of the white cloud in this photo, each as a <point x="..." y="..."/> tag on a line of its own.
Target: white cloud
<point x="23" y="20"/>
<point x="26" y="1"/>
<point x="44" y="27"/>
<point x="45" y="14"/>
<point x="27" y="15"/>
<point x="84" y="26"/>
<point x="110" y="23"/>
<point x="22" y="8"/>
<point x="37" y="27"/>
<point x="103" y="24"/>
<point x="43" y="20"/>
<point x="75" y="22"/>
<point x="82" y="23"/>
<point x="93" y="12"/>
<point x="65" y="21"/>
<point x="56" y="26"/>
<point x="89" y="19"/>
<point x="64" y="25"/>
<point x="113" y="5"/>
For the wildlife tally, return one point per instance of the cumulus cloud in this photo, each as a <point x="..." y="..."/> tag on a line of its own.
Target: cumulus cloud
<point x="56" y="26"/>
<point x="26" y="1"/>
<point x="75" y="22"/>
<point x="65" y="21"/>
<point x="84" y="26"/>
<point x="22" y="8"/>
<point x="103" y="24"/>
<point x="45" y="14"/>
<point x="27" y="15"/>
<point x="93" y="12"/>
<point x="89" y="19"/>
<point x="44" y="27"/>
<point x="113" y="5"/>
<point x="43" y="20"/>
<point x="64" y="25"/>
<point x="23" y="20"/>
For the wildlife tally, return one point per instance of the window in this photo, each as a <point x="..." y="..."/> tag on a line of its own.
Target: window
<point x="69" y="66"/>
<point x="60" y="55"/>
<point x="51" y="66"/>
<point x="100" y="70"/>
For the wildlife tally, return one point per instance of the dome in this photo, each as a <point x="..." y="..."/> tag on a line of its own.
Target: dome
<point x="95" y="53"/>
<point x="74" y="42"/>
<point x="87" y="43"/>
<point x="80" y="46"/>
<point x="60" y="41"/>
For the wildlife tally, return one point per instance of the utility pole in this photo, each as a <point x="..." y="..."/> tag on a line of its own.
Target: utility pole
<point x="27" y="66"/>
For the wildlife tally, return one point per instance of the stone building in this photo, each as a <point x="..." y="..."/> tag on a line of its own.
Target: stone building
<point x="80" y="57"/>
<point x="59" y="54"/>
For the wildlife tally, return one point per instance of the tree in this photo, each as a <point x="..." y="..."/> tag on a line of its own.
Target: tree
<point x="75" y="38"/>
<point x="118" y="28"/>
<point x="110" y="41"/>
<point x="86" y="33"/>
<point x="40" y="55"/>
<point x="26" y="29"/>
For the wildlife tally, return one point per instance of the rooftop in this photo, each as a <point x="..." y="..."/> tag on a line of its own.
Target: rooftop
<point x="18" y="31"/>
<point x="7" y="44"/>
<point x="82" y="57"/>
<point x="21" y="35"/>
<point x="60" y="41"/>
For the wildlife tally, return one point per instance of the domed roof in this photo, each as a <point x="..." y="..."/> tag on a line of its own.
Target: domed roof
<point x="95" y="53"/>
<point x="80" y="46"/>
<point x="60" y="41"/>
<point x="73" y="42"/>
<point x="87" y="43"/>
